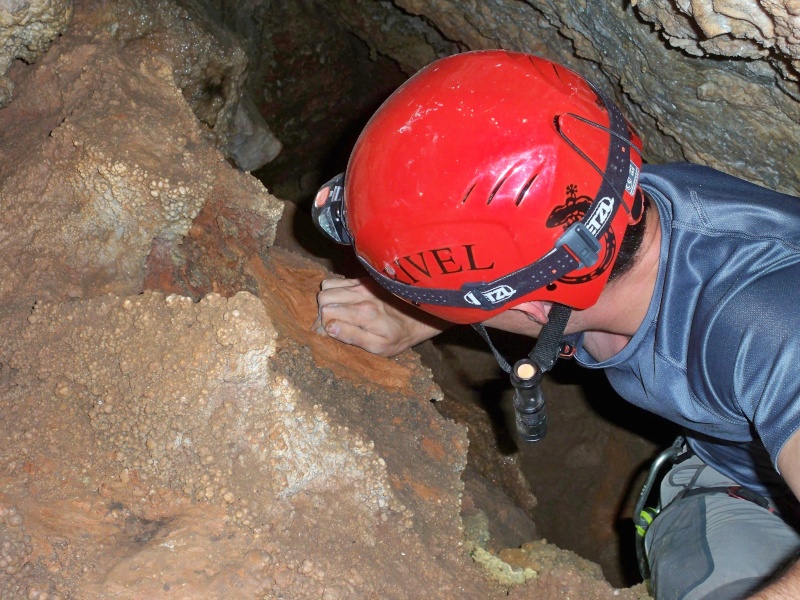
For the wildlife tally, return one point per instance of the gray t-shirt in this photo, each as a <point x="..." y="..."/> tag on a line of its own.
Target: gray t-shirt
<point x="719" y="349"/>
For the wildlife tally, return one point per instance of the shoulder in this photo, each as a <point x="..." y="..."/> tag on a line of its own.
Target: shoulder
<point x="692" y="173"/>
<point x="677" y="179"/>
<point x="749" y="344"/>
<point x="762" y="312"/>
<point x="684" y="174"/>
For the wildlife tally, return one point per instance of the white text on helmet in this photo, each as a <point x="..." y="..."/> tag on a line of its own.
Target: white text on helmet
<point x="633" y="179"/>
<point x="601" y="215"/>
<point x="494" y="295"/>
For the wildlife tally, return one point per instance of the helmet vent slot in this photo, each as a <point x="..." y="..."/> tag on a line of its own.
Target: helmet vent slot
<point x="555" y="68"/>
<point x="524" y="190"/>
<point x="497" y="187"/>
<point x="469" y="191"/>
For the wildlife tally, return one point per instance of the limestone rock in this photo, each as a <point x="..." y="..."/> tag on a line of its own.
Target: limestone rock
<point x="207" y="60"/>
<point x="26" y="29"/>
<point x="163" y="406"/>
<point x="407" y="38"/>
<point x="311" y="79"/>
<point x="252" y="144"/>
<point x="737" y="28"/>
<point x="157" y="443"/>
<point x="100" y="155"/>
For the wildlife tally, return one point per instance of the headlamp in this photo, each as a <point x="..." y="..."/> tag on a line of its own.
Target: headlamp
<point x="328" y="211"/>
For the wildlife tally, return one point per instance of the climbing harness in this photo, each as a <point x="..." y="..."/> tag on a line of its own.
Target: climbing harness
<point x="643" y="516"/>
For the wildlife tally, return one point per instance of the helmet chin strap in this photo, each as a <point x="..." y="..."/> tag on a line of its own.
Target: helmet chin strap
<point x="549" y="345"/>
<point x="526" y="374"/>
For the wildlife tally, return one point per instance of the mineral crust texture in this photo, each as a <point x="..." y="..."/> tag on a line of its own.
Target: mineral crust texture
<point x="26" y="29"/>
<point x="151" y="406"/>
<point x="208" y="62"/>
<point x="100" y="156"/>
<point x="156" y="443"/>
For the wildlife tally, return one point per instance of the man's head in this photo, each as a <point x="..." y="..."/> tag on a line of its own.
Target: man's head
<point x="490" y="179"/>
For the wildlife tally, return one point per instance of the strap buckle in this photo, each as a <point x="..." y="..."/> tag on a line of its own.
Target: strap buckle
<point x="581" y="244"/>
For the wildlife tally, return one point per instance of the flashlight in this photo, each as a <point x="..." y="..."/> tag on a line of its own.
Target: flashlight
<point x="531" y="416"/>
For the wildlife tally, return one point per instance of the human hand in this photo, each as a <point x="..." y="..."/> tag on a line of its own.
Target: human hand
<point x="360" y="313"/>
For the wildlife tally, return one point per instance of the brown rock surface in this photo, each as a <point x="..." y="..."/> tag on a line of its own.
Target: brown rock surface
<point x="157" y="444"/>
<point x="203" y="444"/>
<point x="208" y="62"/>
<point x="146" y="409"/>
<point x="99" y="156"/>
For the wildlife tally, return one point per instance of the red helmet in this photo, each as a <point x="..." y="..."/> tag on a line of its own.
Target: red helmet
<point x="490" y="179"/>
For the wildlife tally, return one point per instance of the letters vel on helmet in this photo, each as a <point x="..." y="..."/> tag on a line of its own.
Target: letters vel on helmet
<point x="490" y="179"/>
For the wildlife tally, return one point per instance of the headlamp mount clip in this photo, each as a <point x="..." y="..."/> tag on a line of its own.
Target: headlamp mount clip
<point x="581" y="243"/>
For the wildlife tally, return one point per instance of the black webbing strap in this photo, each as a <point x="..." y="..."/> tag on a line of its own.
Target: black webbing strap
<point x="488" y="296"/>
<point x="734" y="491"/>
<point x="501" y="361"/>
<point x="548" y="347"/>
<point x="579" y="246"/>
<point x="546" y="351"/>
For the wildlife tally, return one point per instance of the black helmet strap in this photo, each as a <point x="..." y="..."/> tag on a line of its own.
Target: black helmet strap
<point x="526" y="374"/>
<point x="549" y="345"/>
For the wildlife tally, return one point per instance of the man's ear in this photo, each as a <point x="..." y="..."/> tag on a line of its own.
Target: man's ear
<point x="536" y="310"/>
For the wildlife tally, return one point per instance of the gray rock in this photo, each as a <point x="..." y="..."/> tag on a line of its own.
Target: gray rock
<point x="252" y="144"/>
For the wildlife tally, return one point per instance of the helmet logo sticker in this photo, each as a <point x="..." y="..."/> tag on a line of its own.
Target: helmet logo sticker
<point x="572" y="211"/>
<point x="494" y="295"/>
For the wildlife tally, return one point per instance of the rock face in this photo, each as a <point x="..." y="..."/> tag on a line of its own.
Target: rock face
<point x="724" y="93"/>
<point x="99" y="156"/>
<point x="312" y="80"/>
<point x="203" y="443"/>
<point x="208" y="62"/>
<point x="201" y="447"/>
<point x="26" y="30"/>
<point x="163" y="402"/>
<point x="736" y="28"/>
<point x="252" y="144"/>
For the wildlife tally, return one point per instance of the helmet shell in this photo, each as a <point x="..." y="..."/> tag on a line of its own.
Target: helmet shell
<point x="462" y="177"/>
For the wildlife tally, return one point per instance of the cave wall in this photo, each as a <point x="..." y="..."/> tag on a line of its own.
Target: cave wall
<point x="313" y="81"/>
<point x="710" y="82"/>
<point x="174" y="425"/>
